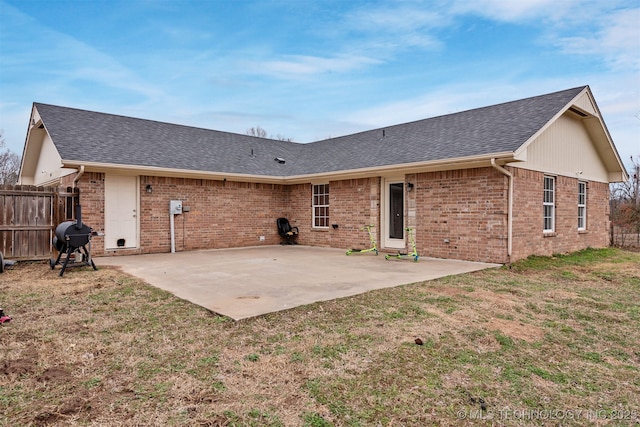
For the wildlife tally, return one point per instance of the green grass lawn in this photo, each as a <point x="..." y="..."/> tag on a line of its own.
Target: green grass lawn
<point x="546" y="341"/>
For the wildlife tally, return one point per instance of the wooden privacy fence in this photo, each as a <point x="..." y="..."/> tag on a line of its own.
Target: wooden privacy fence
<point x="29" y="216"/>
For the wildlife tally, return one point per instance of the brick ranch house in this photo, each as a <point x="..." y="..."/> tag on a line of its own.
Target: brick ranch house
<point x="493" y="184"/>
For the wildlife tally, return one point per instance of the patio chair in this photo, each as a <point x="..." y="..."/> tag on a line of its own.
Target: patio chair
<point x="288" y="233"/>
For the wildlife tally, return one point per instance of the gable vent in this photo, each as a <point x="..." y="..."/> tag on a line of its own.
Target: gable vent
<point x="578" y="112"/>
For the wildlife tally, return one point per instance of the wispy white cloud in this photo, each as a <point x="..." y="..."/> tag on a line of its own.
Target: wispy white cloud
<point x="593" y="28"/>
<point x="395" y="18"/>
<point x="617" y="39"/>
<point x="394" y="27"/>
<point x="64" y="60"/>
<point x="301" y="66"/>
<point x="515" y="11"/>
<point x="444" y="100"/>
<point x="51" y="66"/>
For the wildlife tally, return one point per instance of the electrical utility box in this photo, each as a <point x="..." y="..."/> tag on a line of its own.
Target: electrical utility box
<point x="175" y="207"/>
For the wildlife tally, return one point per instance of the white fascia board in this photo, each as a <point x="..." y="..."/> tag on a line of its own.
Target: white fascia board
<point x="177" y="173"/>
<point x="406" y="168"/>
<point x="417" y="167"/>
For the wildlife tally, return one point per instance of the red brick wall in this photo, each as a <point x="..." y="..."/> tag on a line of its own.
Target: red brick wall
<point x="462" y="214"/>
<point x="222" y="214"/>
<point x="353" y="203"/>
<point x="528" y="238"/>
<point x="298" y="207"/>
<point x="91" y="187"/>
<point x="67" y="180"/>
<point x="467" y="208"/>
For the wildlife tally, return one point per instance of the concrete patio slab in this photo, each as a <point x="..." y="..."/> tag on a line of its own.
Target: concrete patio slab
<point x="247" y="282"/>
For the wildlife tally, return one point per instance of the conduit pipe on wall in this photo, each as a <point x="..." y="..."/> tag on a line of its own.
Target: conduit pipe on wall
<point x="78" y="176"/>
<point x="173" y="233"/>
<point x="509" y="175"/>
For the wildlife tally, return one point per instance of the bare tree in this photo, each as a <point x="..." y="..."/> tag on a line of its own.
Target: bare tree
<point x="262" y="133"/>
<point x="625" y="208"/>
<point x="282" y="138"/>
<point x="9" y="163"/>
<point x="257" y="131"/>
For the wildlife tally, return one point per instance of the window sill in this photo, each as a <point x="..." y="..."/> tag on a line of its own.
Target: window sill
<point x="583" y="231"/>
<point x="321" y="230"/>
<point x="549" y="234"/>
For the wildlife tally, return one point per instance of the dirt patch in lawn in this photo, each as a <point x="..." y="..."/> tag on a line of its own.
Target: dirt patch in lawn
<point x="17" y="367"/>
<point x="516" y="330"/>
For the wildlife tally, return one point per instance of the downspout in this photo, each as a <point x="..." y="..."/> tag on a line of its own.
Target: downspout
<point x="78" y="176"/>
<point x="510" y="206"/>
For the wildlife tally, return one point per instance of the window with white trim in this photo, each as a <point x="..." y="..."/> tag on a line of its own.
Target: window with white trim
<point x="321" y="205"/>
<point x="549" y="204"/>
<point x="582" y="205"/>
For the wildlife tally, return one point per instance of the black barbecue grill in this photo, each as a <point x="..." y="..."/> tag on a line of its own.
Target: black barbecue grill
<point x="73" y="240"/>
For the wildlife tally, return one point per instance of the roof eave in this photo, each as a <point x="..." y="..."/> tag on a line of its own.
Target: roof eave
<point x="166" y="172"/>
<point x="389" y="170"/>
<point x="407" y="168"/>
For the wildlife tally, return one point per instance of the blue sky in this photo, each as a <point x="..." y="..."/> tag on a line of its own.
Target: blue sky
<point x="314" y="69"/>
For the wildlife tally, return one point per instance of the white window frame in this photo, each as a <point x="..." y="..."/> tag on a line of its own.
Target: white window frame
<point x="582" y="205"/>
<point x="320" y="205"/>
<point x="549" y="204"/>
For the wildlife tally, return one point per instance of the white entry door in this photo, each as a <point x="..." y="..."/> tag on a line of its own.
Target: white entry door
<point x="120" y="211"/>
<point x="393" y="213"/>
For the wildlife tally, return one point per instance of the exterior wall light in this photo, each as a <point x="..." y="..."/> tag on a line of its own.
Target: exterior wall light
<point x="149" y="188"/>
<point x="409" y="186"/>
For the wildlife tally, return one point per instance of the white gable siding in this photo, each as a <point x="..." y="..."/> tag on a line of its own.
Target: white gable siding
<point x="47" y="169"/>
<point x="35" y="116"/>
<point x="584" y="102"/>
<point x="565" y="148"/>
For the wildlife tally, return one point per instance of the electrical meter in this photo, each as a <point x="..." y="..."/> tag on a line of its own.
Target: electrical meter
<point x="175" y="207"/>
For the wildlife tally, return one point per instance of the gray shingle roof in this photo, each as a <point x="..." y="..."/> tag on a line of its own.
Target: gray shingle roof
<point x="86" y="136"/>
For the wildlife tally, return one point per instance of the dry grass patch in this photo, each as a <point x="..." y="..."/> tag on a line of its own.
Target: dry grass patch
<point x="539" y="339"/>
